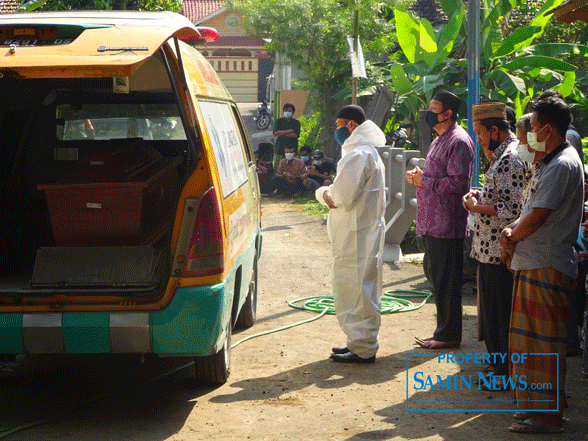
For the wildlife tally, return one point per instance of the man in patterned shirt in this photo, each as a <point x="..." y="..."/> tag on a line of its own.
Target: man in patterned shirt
<point x="497" y="205"/>
<point x="441" y="219"/>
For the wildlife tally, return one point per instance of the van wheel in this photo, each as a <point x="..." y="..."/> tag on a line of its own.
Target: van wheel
<point x="263" y="122"/>
<point x="248" y="313"/>
<point x="215" y="368"/>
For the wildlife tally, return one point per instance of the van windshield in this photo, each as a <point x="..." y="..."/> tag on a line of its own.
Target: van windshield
<point x="104" y="121"/>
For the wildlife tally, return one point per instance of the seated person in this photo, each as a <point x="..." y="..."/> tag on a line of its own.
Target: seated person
<point x="305" y="155"/>
<point x="320" y="173"/>
<point x="290" y="174"/>
<point x="265" y="169"/>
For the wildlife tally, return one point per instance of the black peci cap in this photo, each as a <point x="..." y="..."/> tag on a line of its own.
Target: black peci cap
<point x="352" y="112"/>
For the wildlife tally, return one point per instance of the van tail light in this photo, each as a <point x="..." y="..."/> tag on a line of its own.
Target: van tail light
<point x="205" y="254"/>
<point x="207" y="34"/>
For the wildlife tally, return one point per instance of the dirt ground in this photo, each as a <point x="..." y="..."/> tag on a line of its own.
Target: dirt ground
<point x="282" y="386"/>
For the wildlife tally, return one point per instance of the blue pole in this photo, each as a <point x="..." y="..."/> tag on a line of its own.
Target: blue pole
<point x="474" y="78"/>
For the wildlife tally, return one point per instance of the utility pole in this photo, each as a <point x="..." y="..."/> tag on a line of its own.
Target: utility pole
<point x="474" y="78"/>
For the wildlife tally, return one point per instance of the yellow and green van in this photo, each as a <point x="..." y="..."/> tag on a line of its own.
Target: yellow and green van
<point x="130" y="215"/>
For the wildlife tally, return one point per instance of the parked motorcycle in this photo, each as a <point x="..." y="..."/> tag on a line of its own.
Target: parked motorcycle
<point x="263" y="117"/>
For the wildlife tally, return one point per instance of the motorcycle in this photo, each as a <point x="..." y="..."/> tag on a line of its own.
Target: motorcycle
<point x="263" y="117"/>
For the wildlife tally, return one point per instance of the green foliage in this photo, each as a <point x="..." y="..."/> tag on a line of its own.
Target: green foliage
<point x="31" y="5"/>
<point x="312" y="35"/>
<point x="309" y="130"/>
<point x="516" y="61"/>
<point x="307" y="204"/>
<point x="423" y="62"/>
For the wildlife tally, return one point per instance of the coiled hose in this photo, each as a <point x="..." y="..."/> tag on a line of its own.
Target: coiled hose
<point x="392" y="301"/>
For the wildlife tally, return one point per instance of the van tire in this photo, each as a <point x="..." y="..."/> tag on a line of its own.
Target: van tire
<point x="215" y="368"/>
<point x="248" y="314"/>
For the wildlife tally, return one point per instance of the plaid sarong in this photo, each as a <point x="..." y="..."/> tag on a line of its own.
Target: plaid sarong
<point x="538" y="325"/>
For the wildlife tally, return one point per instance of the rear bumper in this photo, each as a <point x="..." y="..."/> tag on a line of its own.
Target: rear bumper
<point x="190" y="325"/>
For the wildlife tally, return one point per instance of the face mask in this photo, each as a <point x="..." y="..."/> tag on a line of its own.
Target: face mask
<point x="342" y="134"/>
<point x="524" y="153"/>
<point x="431" y="118"/>
<point x="289" y="156"/>
<point x="533" y="143"/>
<point x="493" y="145"/>
<point x="317" y="162"/>
<point x="287" y="114"/>
<point x="305" y="158"/>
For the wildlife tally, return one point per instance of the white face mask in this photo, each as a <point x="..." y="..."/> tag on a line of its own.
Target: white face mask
<point x="287" y="114"/>
<point x="524" y="153"/>
<point x="533" y="143"/>
<point x="289" y="156"/>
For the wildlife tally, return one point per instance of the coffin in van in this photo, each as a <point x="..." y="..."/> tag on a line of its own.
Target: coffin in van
<point x="114" y="198"/>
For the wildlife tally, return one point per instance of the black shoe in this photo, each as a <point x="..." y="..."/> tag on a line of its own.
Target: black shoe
<point x="340" y="350"/>
<point x="350" y="357"/>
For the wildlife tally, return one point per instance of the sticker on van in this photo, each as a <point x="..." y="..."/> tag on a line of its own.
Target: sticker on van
<point x="226" y="143"/>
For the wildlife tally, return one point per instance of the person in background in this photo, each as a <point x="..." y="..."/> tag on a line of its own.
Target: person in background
<point x="356" y="228"/>
<point x="441" y="219"/>
<point x="264" y="157"/>
<point x="306" y="156"/>
<point x="539" y="247"/>
<point x="289" y="176"/>
<point x="523" y="126"/>
<point x="321" y="172"/>
<point x="511" y="117"/>
<point x="287" y="132"/>
<point x="497" y="205"/>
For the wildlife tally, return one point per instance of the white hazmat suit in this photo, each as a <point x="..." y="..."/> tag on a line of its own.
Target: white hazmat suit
<point x="356" y="230"/>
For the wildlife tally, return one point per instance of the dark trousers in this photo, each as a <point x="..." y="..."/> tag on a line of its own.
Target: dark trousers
<point x="282" y="186"/>
<point x="496" y="283"/>
<point x="446" y="263"/>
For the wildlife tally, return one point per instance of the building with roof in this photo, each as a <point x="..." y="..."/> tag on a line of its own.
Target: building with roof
<point x="570" y="11"/>
<point x="240" y="61"/>
<point x="8" y="6"/>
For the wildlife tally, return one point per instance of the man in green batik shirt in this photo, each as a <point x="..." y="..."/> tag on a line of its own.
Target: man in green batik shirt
<point x="287" y="132"/>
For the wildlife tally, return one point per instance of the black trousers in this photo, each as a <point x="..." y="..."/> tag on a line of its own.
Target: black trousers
<point x="446" y="263"/>
<point x="496" y="283"/>
<point x="279" y="183"/>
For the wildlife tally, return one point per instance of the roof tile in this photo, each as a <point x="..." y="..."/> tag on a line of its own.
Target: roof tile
<point x="197" y="9"/>
<point x="9" y="5"/>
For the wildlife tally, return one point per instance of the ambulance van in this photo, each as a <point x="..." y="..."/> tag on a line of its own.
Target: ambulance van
<point x="129" y="200"/>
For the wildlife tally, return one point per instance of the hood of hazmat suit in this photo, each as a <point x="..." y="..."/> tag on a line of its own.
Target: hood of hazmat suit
<point x="356" y="229"/>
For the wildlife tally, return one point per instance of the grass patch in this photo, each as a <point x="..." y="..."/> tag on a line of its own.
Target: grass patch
<point x="307" y="204"/>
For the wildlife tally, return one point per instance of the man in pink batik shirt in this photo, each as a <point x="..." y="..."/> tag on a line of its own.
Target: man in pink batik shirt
<point x="441" y="219"/>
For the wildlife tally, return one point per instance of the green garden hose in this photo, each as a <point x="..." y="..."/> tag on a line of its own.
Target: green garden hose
<point x="392" y="301"/>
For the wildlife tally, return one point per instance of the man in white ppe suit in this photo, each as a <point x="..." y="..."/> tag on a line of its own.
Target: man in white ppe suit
<point x="356" y="229"/>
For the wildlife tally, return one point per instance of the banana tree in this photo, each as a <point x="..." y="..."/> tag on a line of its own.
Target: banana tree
<point x="428" y="63"/>
<point x="512" y="68"/>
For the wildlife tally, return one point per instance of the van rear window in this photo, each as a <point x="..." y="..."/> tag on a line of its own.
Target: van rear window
<point x="158" y="122"/>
